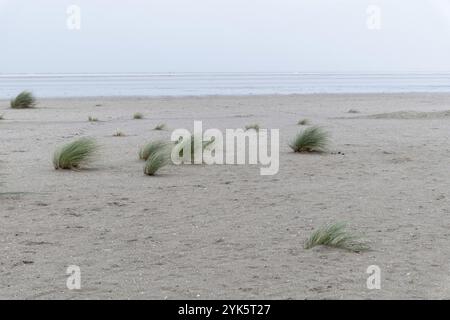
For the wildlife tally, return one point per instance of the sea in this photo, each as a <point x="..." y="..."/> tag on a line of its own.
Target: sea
<point x="200" y="84"/>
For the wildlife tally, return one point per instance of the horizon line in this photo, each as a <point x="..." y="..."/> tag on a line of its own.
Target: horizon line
<point x="227" y="72"/>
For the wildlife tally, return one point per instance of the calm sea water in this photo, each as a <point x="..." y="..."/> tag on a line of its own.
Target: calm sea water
<point x="185" y="84"/>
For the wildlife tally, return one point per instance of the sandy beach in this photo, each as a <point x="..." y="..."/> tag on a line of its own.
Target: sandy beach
<point x="225" y="231"/>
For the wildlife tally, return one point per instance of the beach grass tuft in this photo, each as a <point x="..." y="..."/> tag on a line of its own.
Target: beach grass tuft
<point x="303" y="122"/>
<point x="160" y="126"/>
<point x="353" y="111"/>
<point x="313" y="139"/>
<point x="138" y="116"/>
<point x="152" y="147"/>
<point x="253" y="126"/>
<point x="2" y="116"/>
<point x="119" y="133"/>
<point x="335" y="235"/>
<point x="193" y="146"/>
<point x="92" y="119"/>
<point x="24" y="100"/>
<point x="75" y="154"/>
<point x="156" y="161"/>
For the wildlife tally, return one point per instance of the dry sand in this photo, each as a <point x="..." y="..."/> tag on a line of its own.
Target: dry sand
<point x="225" y="231"/>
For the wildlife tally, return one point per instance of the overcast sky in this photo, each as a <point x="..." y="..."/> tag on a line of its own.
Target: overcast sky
<point x="225" y="35"/>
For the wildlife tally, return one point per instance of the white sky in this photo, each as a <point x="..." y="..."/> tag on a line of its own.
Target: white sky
<point x="224" y="35"/>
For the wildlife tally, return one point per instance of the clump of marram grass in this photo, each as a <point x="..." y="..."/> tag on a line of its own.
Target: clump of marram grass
<point x="92" y="119"/>
<point x="24" y="100"/>
<point x="119" y="133"/>
<point x="334" y="235"/>
<point x="160" y="126"/>
<point x="156" y="161"/>
<point x="313" y="139"/>
<point x="138" y="116"/>
<point x="193" y="145"/>
<point x="303" y="122"/>
<point x="254" y="126"/>
<point x="75" y="154"/>
<point x="152" y="147"/>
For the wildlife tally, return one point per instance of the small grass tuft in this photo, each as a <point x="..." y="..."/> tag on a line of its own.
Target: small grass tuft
<point x="193" y="145"/>
<point x="160" y="126"/>
<point x="303" y="122"/>
<point x="92" y="119"/>
<point x="24" y="100"/>
<point x="118" y="133"/>
<point x="313" y="139"/>
<point x="254" y="126"/>
<point x="2" y="116"/>
<point x="156" y="161"/>
<point x="152" y="147"/>
<point x="353" y="111"/>
<point x="74" y="154"/>
<point x="334" y="235"/>
<point x="138" y="116"/>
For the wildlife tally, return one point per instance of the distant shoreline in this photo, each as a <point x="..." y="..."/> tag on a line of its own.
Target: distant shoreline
<point x="270" y="95"/>
<point x="220" y="84"/>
